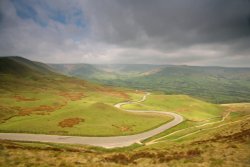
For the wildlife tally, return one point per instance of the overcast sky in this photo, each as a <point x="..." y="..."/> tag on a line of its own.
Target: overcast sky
<point x="191" y="32"/>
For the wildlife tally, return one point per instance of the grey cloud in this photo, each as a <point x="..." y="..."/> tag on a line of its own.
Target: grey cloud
<point x="169" y="22"/>
<point x="195" y="32"/>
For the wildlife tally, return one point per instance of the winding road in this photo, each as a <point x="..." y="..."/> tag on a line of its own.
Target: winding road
<point x="107" y="142"/>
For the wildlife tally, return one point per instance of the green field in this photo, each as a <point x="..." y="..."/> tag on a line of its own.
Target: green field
<point x="192" y="109"/>
<point x="100" y="119"/>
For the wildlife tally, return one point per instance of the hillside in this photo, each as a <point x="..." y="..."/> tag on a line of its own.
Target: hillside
<point x="31" y="93"/>
<point x="223" y="144"/>
<point x="83" y="71"/>
<point x="19" y="66"/>
<point x="34" y="99"/>
<point x="103" y="72"/>
<point x="213" y="84"/>
<point x="192" y="109"/>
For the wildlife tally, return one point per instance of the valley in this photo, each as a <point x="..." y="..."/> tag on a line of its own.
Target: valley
<point x="79" y="122"/>
<point x="67" y="106"/>
<point x="124" y="83"/>
<point x="212" y="84"/>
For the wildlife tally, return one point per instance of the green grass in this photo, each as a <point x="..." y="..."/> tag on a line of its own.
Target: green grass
<point x="213" y="84"/>
<point x="191" y="108"/>
<point x="38" y="100"/>
<point x="96" y="108"/>
<point x="238" y="112"/>
<point x="195" y="112"/>
<point x="224" y="146"/>
<point x="99" y="120"/>
<point x="42" y="98"/>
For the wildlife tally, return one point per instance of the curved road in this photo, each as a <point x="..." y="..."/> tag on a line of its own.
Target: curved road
<point x="108" y="142"/>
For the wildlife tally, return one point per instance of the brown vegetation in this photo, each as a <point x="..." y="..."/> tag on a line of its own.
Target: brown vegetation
<point x="22" y="98"/>
<point x="157" y="157"/>
<point x="124" y="128"/>
<point x="73" y="96"/>
<point x="222" y="150"/>
<point x="70" y="122"/>
<point x="40" y="110"/>
<point x="113" y="92"/>
<point x="182" y="110"/>
<point x="237" y="107"/>
<point x="7" y="113"/>
<point x="241" y="136"/>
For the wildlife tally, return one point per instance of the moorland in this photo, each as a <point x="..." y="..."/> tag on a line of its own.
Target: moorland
<point x="40" y="98"/>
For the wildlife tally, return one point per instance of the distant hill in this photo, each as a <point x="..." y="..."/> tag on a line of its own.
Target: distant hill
<point x="83" y="71"/>
<point x="101" y="72"/>
<point x="17" y="73"/>
<point x="23" y="67"/>
<point x="214" y="84"/>
<point x="127" y="68"/>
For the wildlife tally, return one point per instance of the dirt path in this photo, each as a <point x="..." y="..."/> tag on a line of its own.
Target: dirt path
<point x="108" y="142"/>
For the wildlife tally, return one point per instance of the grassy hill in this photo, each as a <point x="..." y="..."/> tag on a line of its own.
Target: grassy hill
<point x="33" y="97"/>
<point x="192" y="109"/>
<point x="213" y="84"/>
<point x="223" y="144"/>
<point x="83" y="71"/>
<point x="19" y="66"/>
<point x="103" y="72"/>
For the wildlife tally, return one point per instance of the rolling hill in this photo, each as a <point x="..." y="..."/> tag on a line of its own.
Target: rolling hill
<point x="36" y="99"/>
<point x="31" y="93"/>
<point x="213" y="84"/>
<point x="20" y="66"/>
<point x="82" y="71"/>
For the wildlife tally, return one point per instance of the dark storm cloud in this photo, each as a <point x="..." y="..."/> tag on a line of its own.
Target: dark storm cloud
<point x="170" y="22"/>
<point x="196" y="32"/>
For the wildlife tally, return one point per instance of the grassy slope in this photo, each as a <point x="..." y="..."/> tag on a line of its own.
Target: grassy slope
<point x="192" y="109"/>
<point x="99" y="120"/>
<point x="214" y="84"/>
<point x="18" y="65"/>
<point x="195" y="112"/>
<point x="82" y="71"/>
<point x="33" y="97"/>
<point x="224" y="146"/>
